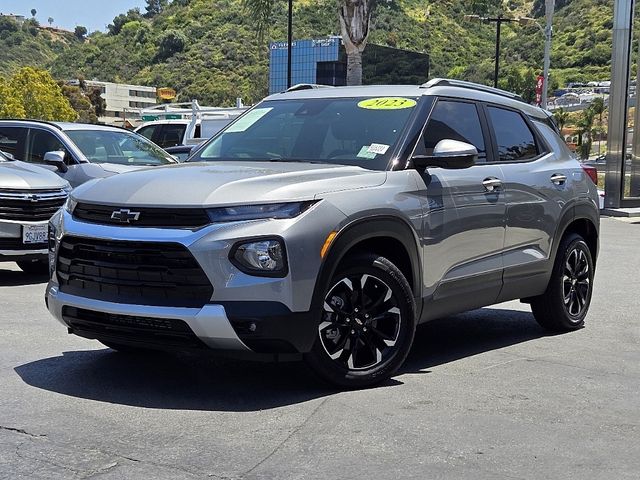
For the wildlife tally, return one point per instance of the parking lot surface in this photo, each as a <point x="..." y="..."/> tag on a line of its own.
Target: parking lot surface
<point x="484" y="395"/>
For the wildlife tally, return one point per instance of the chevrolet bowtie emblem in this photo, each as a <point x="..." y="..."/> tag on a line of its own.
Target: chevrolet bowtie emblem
<point x="124" y="215"/>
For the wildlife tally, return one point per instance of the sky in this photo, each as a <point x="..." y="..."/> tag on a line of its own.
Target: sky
<point x="93" y="14"/>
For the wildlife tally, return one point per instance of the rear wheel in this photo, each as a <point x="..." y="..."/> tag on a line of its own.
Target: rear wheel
<point x="367" y="324"/>
<point x="35" y="267"/>
<point x="566" y="301"/>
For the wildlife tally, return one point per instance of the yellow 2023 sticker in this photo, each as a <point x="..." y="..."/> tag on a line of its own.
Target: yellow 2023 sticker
<point x="387" y="103"/>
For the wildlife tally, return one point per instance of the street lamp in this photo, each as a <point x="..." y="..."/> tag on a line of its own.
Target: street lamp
<point x="523" y="21"/>
<point x="289" y="42"/>
<point x="499" y="20"/>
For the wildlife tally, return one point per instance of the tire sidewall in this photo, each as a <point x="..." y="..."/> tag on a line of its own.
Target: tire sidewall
<point x="383" y="269"/>
<point x="572" y="242"/>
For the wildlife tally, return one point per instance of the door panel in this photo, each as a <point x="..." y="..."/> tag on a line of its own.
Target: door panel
<point x="464" y="220"/>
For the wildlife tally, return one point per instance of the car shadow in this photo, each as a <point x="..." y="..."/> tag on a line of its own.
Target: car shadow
<point x="202" y="382"/>
<point x="15" y="278"/>
<point x="467" y="334"/>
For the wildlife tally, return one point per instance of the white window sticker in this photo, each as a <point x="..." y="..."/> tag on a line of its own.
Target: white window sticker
<point x="380" y="148"/>
<point x="365" y="153"/>
<point x="248" y="119"/>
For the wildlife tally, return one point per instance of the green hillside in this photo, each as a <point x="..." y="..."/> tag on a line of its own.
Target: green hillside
<point x="207" y="49"/>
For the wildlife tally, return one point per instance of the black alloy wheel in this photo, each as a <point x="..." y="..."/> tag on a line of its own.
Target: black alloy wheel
<point x="565" y="303"/>
<point x="367" y="323"/>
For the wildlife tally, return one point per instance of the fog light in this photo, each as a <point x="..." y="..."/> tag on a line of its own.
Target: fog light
<point x="264" y="257"/>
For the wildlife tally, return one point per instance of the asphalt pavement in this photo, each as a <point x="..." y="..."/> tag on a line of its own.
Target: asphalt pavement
<point x="483" y="395"/>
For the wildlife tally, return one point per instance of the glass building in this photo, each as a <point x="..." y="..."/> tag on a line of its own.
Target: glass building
<point x="324" y="61"/>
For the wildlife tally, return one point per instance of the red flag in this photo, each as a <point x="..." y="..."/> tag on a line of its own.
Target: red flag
<point x="539" y="87"/>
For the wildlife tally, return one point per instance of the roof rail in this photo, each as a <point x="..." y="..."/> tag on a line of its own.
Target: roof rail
<point x="440" y="82"/>
<point x="306" y="86"/>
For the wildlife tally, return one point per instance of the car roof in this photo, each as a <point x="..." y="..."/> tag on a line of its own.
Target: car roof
<point x="435" y="87"/>
<point x="64" y="126"/>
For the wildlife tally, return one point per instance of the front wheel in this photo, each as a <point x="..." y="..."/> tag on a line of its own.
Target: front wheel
<point x="367" y="324"/>
<point x="566" y="301"/>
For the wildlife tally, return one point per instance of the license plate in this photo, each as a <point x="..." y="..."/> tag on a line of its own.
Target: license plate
<point x="34" y="234"/>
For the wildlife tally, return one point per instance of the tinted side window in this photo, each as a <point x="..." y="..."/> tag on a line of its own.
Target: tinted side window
<point x="12" y="141"/>
<point x="454" y="121"/>
<point x="513" y="136"/>
<point x="171" y="135"/>
<point x="148" y="131"/>
<point x="41" y="142"/>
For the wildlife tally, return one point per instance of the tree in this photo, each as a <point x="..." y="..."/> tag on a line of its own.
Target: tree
<point x="40" y="95"/>
<point x="585" y="132"/>
<point x="118" y="22"/>
<point x="171" y="42"/>
<point x="99" y="103"/>
<point x="354" y="17"/>
<point x="154" y="7"/>
<point x="561" y="117"/>
<point x="50" y="20"/>
<point x="10" y="104"/>
<point x="33" y="12"/>
<point x="80" y="32"/>
<point x="80" y="103"/>
<point x="598" y="108"/>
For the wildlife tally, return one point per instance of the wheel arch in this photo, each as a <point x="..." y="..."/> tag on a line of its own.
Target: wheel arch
<point x="584" y="220"/>
<point x="385" y="235"/>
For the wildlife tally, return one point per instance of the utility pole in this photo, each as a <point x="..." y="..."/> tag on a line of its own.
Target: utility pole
<point x="548" y="32"/>
<point x="496" y="70"/>
<point x="289" y="43"/>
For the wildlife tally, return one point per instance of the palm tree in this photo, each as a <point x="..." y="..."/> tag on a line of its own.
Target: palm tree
<point x="597" y="106"/>
<point x="50" y="20"/>
<point x="561" y="118"/>
<point x="585" y="129"/>
<point x="354" y="16"/>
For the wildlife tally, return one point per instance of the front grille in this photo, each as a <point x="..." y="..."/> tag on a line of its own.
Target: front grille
<point x="141" y="273"/>
<point x="147" y="216"/>
<point x="30" y="205"/>
<point x="16" y="244"/>
<point x="169" y="332"/>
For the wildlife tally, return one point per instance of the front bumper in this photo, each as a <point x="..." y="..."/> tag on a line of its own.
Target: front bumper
<point x="209" y="323"/>
<point x="11" y="246"/>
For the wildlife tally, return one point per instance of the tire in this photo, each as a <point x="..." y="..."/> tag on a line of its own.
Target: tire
<point x="34" y="267"/>
<point x="565" y="303"/>
<point x="367" y="325"/>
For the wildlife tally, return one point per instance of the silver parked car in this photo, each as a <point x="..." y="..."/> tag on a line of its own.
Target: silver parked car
<point x="329" y="222"/>
<point x="29" y="196"/>
<point x="78" y="151"/>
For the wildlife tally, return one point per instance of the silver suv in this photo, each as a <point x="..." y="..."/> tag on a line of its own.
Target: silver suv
<point x="29" y="196"/>
<point x="79" y="151"/>
<point x="329" y="222"/>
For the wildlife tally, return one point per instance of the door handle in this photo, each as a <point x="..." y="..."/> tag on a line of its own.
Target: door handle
<point x="492" y="184"/>
<point x="558" y="179"/>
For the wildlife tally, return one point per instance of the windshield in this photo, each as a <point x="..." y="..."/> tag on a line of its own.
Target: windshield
<point x="345" y="131"/>
<point x="124" y="148"/>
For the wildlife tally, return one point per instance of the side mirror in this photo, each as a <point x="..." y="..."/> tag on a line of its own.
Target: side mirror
<point x="450" y="154"/>
<point x="56" y="159"/>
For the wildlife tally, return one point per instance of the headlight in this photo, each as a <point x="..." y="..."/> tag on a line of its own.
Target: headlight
<point x="70" y="204"/>
<point x="255" y="212"/>
<point x="264" y="257"/>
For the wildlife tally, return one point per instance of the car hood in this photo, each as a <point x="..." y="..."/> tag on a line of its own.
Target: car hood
<point x="21" y="175"/>
<point x="226" y="183"/>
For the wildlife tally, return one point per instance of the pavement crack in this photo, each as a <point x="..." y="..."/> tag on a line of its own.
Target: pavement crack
<point x="23" y="432"/>
<point x="286" y="439"/>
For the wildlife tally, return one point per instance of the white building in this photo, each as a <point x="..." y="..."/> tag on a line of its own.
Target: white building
<point x="123" y="101"/>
